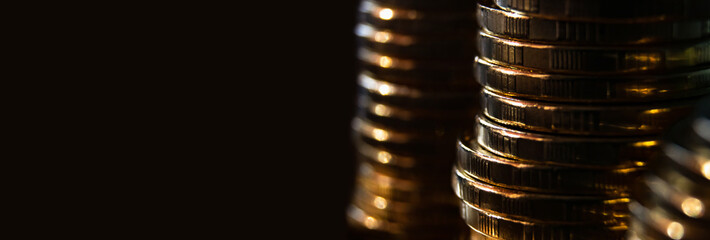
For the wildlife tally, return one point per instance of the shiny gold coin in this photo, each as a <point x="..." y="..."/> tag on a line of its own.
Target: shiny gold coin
<point x="581" y="88"/>
<point x="570" y="150"/>
<point x="539" y="207"/>
<point x="595" y="10"/>
<point x="593" y="60"/>
<point x="500" y="227"/>
<point x="537" y="28"/>
<point x="585" y="119"/>
<point x="541" y="177"/>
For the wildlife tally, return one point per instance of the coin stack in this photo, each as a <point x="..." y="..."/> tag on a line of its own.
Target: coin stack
<point x="672" y="200"/>
<point x="416" y="92"/>
<point x="576" y="96"/>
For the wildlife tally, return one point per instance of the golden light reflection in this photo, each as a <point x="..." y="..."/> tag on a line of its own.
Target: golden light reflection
<point x="706" y="170"/>
<point x="675" y="230"/>
<point x="646" y="143"/>
<point x="692" y="207"/>
<point x="380" y="202"/>
<point x="654" y="111"/>
<point x="386" y="14"/>
<point x="382" y="110"/>
<point x="383" y="37"/>
<point x="651" y="58"/>
<point x="379" y="134"/>
<point x="384" y="157"/>
<point x="643" y="91"/>
<point x="384" y="89"/>
<point x="371" y="222"/>
<point x="385" y="61"/>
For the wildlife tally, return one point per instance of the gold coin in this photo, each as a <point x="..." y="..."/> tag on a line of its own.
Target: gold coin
<point x="593" y="60"/>
<point x="542" y="177"/>
<point x="570" y="150"/>
<point x="584" y="88"/>
<point x="583" y="119"/>
<point x="500" y="227"/>
<point x="539" y="207"/>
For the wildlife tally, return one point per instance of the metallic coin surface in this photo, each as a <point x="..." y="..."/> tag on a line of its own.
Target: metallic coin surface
<point x="572" y="150"/>
<point x="598" y="60"/>
<point x="541" y="177"/>
<point x="582" y="88"/>
<point x="601" y="10"/>
<point x="585" y="119"/>
<point x="532" y="206"/>
<point x="527" y="27"/>
<point x="500" y="227"/>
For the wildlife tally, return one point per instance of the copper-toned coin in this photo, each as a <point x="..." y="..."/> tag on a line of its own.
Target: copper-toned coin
<point x="585" y="119"/>
<point x="533" y="206"/>
<point x="536" y="28"/>
<point x="583" y="88"/>
<point x="599" y="60"/>
<point x="542" y="177"/>
<point x="606" y="10"/>
<point x="501" y="227"/>
<point x="571" y="150"/>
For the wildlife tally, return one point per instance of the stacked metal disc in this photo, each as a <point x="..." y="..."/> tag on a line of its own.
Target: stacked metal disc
<point x="416" y="91"/>
<point x="576" y="96"/>
<point x="672" y="200"/>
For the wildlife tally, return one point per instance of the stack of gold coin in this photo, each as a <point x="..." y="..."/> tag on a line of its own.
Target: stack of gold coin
<point x="672" y="200"/>
<point x="416" y="92"/>
<point x="576" y="95"/>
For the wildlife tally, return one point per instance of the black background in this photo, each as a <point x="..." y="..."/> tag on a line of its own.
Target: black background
<point x="318" y="106"/>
